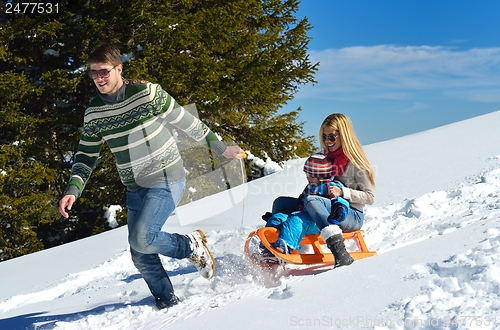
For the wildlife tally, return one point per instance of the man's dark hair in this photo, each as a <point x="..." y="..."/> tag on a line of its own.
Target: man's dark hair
<point x="105" y="53"/>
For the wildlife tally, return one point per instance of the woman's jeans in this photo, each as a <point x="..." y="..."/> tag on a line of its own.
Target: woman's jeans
<point x="148" y="210"/>
<point x="319" y="209"/>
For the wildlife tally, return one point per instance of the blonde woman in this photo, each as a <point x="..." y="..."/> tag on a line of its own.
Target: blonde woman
<point x="352" y="168"/>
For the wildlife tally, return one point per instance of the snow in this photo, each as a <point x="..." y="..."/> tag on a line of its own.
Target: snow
<point x="51" y="52"/>
<point x="110" y="215"/>
<point x="435" y="227"/>
<point x="268" y="166"/>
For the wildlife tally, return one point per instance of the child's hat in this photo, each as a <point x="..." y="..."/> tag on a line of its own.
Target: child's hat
<point x="318" y="166"/>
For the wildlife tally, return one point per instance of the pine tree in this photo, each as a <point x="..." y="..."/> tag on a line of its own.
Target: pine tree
<point x="239" y="61"/>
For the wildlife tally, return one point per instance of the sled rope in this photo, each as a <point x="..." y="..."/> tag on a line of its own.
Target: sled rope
<point x="242" y="165"/>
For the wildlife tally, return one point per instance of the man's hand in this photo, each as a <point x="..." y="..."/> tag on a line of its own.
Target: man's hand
<point x="234" y="152"/>
<point x="65" y="204"/>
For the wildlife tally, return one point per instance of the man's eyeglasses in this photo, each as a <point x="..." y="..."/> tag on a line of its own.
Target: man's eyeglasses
<point x="330" y="137"/>
<point x="104" y="73"/>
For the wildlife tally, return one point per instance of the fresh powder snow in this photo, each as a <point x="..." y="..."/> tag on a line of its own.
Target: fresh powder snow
<point x="435" y="226"/>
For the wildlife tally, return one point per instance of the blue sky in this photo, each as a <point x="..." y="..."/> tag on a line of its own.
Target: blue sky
<point x="400" y="67"/>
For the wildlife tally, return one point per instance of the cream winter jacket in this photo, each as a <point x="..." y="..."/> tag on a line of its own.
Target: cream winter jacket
<point x="358" y="189"/>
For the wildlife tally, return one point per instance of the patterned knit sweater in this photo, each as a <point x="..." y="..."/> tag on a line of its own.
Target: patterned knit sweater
<point x="132" y="123"/>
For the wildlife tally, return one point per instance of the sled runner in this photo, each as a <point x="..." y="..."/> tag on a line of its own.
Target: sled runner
<point x="319" y="255"/>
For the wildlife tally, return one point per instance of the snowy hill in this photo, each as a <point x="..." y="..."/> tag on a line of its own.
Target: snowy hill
<point x="435" y="226"/>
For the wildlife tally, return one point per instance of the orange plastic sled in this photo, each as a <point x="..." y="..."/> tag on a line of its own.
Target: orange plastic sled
<point x="269" y="235"/>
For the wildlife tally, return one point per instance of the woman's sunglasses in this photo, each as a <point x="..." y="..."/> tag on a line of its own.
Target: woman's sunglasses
<point x="104" y="73"/>
<point x="330" y="137"/>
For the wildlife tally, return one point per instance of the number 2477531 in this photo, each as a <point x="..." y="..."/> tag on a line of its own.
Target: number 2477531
<point x="31" y="8"/>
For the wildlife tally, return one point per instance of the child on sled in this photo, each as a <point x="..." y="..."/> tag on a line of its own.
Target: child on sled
<point x="293" y="227"/>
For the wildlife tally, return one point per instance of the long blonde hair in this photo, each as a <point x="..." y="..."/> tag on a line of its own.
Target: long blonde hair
<point x="350" y="143"/>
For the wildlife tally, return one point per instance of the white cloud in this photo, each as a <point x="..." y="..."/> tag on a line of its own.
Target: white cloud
<point x="415" y="107"/>
<point x="392" y="72"/>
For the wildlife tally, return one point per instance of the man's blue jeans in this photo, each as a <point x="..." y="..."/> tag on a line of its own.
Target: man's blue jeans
<point x="319" y="209"/>
<point x="148" y="210"/>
